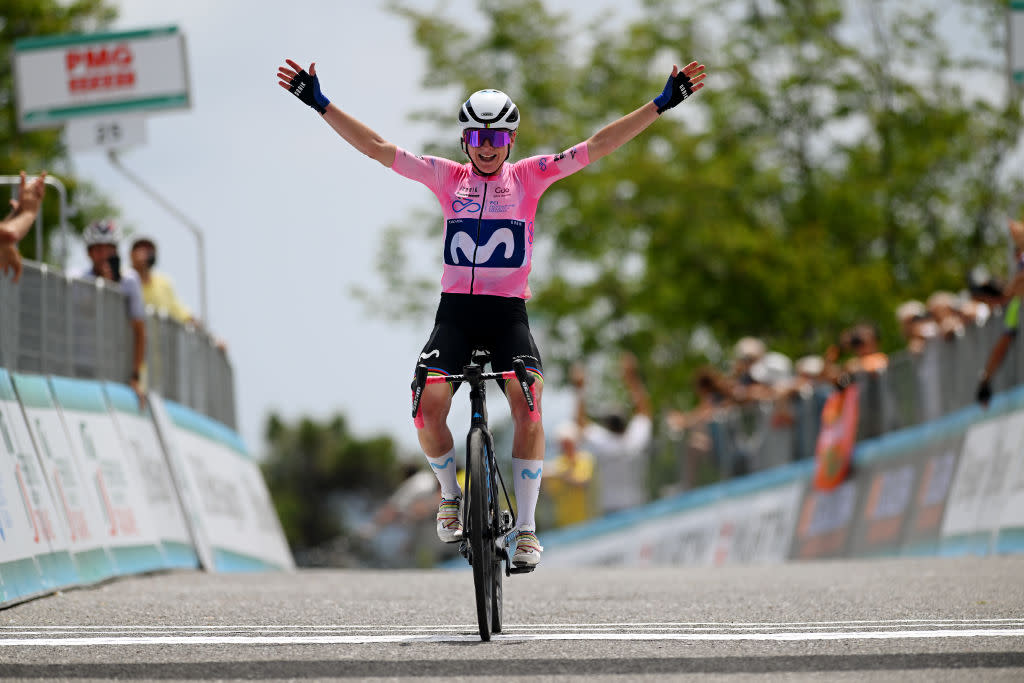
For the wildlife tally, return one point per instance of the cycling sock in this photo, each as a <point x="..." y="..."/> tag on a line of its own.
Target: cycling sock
<point x="526" y="474"/>
<point x="444" y="470"/>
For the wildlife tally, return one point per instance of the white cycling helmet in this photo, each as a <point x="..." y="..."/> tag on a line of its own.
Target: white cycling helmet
<point x="101" y="232"/>
<point x="489" y="109"/>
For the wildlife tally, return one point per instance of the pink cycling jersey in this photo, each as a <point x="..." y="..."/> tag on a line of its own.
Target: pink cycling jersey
<point x="488" y="220"/>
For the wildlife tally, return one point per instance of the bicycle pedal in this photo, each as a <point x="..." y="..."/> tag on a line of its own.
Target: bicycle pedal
<point x="522" y="568"/>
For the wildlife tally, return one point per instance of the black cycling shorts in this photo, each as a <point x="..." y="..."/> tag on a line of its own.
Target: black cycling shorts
<point x="465" y="322"/>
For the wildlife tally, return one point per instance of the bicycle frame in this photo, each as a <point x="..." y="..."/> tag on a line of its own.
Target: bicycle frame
<point x="486" y="522"/>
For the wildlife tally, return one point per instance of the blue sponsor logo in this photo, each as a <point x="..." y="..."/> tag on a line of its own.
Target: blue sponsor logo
<point x="532" y="474"/>
<point x="502" y="243"/>
<point x="447" y="462"/>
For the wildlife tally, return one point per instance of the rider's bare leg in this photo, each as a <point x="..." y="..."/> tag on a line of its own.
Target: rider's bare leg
<point x="527" y="452"/>
<point x="436" y="439"/>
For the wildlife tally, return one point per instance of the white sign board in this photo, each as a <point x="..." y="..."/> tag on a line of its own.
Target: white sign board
<point x="61" y="78"/>
<point x="112" y="132"/>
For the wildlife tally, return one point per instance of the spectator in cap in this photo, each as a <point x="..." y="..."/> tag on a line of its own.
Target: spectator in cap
<point x="567" y="481"/>
<point x="916" y="324"/>
<point x="19" y="221"/>
<point x="619" y="445"/>
<point x="157" y="289"/>
<point x="101" y="240"/>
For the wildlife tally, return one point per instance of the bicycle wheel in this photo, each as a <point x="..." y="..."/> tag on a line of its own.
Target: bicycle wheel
<point x="497" y="571"/>
<point x="480" y="542"/>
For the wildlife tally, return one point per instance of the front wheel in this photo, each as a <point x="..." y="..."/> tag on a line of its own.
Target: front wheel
<point x="481" y="544"/>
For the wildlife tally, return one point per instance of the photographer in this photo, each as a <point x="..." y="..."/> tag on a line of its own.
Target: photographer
<point x="101" y="239"/>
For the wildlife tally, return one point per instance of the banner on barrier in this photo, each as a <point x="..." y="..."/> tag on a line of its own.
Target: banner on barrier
<point x="754" y="528"/>
<point x="236" y="514"/>
<point x="1011" y="520"/>
<point x="33" y="559"/>
<point x="826" y="517"/>
<point x="128" y="529"/>
<point x="977" y="487"/>
<point x="80" y="516"/>
<point x="924" y="525"/>
<point x="141" y="444"/>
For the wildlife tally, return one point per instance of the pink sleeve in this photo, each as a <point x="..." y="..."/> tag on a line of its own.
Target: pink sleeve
<point x="538" y="173"/>
<point x="431" y="171"/>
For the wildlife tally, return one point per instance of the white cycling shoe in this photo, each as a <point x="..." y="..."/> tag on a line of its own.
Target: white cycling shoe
<point x="528" y="550"/>
<point x="449" y="526"/>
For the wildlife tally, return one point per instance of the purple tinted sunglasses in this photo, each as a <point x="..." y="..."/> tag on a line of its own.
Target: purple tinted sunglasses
<point x="477" y="136"/>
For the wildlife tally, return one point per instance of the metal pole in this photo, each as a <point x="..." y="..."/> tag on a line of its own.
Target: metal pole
<point x="200" y="248"/>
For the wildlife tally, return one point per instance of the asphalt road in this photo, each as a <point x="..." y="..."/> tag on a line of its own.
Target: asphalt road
<point x="920" y="619"/>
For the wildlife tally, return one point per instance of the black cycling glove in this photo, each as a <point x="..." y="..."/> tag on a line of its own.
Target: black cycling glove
<point x="677" y="89"/>
<point x="984" y="392"/>
<point x="307" y="89"/>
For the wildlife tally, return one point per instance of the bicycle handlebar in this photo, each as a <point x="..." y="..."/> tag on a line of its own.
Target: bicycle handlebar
<point x="518" y="373"/>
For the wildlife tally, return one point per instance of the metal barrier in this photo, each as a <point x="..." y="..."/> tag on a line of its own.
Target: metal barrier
<point x="915" y="388"/>
<point x="55" y="325"/>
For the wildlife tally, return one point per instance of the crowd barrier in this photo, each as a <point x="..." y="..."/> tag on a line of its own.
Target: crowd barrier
<point x="94" y="486"/>
<point x="950" y="486"/>
<point x="52" y="324"/>
<point x="916" y="388"/>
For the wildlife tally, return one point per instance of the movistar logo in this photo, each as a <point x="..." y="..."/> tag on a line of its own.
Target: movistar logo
<point x="447" y="462"/>
<point x="463" y="241"/>
<point x="530" y="473"/>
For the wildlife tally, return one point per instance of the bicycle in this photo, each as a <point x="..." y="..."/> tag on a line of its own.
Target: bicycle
<point x="487" y="520"/>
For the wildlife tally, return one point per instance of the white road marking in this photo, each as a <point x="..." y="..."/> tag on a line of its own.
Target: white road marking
<point x="1001" y="629"/>
<point x="372" y="639"/>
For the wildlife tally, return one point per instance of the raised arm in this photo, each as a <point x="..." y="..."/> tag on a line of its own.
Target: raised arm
<point x="19" y="221"/>
<point x="680" y="85"/>
<point x="306" y="87"/>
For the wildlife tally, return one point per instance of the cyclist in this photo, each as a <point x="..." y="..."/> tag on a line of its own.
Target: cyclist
<point x="489" y="205"/>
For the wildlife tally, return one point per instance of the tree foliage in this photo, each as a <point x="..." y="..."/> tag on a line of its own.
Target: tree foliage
<point x="839" y="161"/>
<point x="37" y="150"/>
<point x="309" y="464"/>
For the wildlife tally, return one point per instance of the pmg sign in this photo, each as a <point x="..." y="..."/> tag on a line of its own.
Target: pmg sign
<point x="62" y="78"/>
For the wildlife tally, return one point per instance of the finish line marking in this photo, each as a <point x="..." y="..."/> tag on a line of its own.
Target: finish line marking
<point x="506" y="637"/>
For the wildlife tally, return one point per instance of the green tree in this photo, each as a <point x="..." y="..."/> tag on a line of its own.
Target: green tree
<point x="36" y="150"/>
<point x="836" y="164"/>
<point x="311" y="463"/>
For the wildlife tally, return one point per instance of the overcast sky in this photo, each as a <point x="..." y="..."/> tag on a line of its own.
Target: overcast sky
<point x="291" y="214"/>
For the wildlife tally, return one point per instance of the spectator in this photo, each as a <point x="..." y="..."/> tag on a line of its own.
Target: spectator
<point x="157" y="290"/>
<point x="862" y="341"/>
<point x="747" y="353"/>
<point x="1011" y="320"/>
<point x="568" y="479"/>
<point x="916" y="324"/>
<point x="101" y="240"/>
<point x="714" y="391"/>
<point x="943" y="307"/>
<point x="19" y="221"/>
<point x="619" y="444"/>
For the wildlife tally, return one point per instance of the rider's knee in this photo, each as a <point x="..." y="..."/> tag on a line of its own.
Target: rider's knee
<point x="434" y="406"/>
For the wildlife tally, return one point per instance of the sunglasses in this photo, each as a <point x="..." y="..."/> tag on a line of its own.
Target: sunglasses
<point x="477" y="137"/>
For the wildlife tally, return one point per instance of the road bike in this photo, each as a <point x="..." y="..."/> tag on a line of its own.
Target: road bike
<point x="488" y="518"/>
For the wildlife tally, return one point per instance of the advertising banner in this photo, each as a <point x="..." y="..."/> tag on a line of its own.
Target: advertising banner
<point x="79" y="513"/>
<point x="27" y="517"/>
<point x="975" y="500"/>
<point x="826" y="518"/>
<point x="879" y="528"/>
<point x="128" y="527"/>
<point x="925" y="519"/>
<point x="1011" y="519"/>
<point x="235" y="512"/>
<point x="141" y="444"/>
<point x="754" y="528"/>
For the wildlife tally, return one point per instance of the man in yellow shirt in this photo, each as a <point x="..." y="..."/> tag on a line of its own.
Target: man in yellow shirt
<point x="157" y="290"/>
<point x="567" y="480"/>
